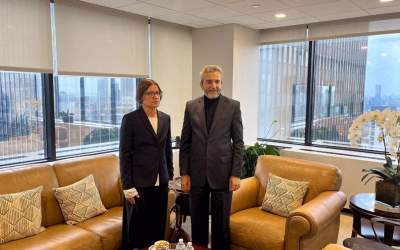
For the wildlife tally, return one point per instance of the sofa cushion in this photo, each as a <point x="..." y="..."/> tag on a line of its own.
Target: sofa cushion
<point x="79" y="201"/>
<point x="283" y="195"/>
<point x="107" y="226"/>
<point x="20" y="215"/>
<point x="105" y="170"/>
<point x="58" y="237"/>
<point x="28" y="177"/>
<point x="255" y="229"/>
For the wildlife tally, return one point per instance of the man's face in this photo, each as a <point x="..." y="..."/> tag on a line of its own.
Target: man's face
<point x="212" y="84"/>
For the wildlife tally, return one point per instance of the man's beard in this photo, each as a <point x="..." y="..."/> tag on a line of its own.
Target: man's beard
<point x="213" y="94"/>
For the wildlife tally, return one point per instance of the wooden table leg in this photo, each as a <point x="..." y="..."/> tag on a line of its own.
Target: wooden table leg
<point x="388" y="237"/>
<point x="356" y="225"/>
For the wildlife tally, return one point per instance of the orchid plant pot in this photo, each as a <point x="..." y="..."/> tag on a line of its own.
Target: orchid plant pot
<point x="387" y="192"/>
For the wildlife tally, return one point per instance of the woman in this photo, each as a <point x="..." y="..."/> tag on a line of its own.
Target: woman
<point x="146" y="167"/>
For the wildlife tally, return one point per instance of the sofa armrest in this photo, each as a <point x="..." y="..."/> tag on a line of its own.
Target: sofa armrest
<point x="246" y="196"/>
<point x="335" y="247"/>
<point x="314" y="216"/>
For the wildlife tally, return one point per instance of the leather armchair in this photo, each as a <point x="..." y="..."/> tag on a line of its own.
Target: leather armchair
<point x="312" y="226"/>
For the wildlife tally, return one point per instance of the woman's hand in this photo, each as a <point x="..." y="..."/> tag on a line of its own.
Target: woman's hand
<point x="131" y="200"/>
<point x="130" y="195"/>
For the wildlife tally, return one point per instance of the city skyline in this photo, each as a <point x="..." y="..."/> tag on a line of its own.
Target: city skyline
<point x="383" y="64"/>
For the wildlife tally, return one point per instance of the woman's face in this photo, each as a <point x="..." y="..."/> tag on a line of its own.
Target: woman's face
<point x="151" y="97"/>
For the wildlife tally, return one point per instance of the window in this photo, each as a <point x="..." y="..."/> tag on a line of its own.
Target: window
<point x="283" y="88"/>
<point x="340" y="66"/>
<point x="88" y="112"/>
<point x="350" y="76"/>
<point x="21" y="117"/>
<point x="87" y="115"/>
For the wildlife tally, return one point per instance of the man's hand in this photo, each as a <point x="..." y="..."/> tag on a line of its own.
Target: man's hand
<point x="234" y="183"/>
<point x="185" y="183"/>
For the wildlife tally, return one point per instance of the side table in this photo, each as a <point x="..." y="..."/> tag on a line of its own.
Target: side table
<point x="363" y="207"/>
<point x="182" y="199"/>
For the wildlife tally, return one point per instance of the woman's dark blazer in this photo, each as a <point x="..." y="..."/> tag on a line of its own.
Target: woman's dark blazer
<point x="143" y="153"/>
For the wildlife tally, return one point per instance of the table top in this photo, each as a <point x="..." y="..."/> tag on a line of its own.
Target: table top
<point x="365" y="202"/>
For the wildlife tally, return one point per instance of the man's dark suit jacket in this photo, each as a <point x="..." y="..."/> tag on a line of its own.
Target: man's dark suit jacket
<point x="213" y="156"/>
<point x="143" y="153"/>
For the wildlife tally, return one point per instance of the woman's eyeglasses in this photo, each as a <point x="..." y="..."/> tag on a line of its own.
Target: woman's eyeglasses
<point x="154" y="94"/>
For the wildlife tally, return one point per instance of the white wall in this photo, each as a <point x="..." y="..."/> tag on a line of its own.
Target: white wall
<point x="172" y="68"/>
<point x="213" y="46"/>
<point x="245" y="85"/>
<point x="176" y="162"/>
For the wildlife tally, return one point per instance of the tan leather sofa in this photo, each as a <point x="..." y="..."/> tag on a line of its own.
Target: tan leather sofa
<point x="312" y="226"/>
<point x="100" y="232"/>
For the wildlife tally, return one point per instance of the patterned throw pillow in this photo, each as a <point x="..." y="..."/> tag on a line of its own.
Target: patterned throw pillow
<point x="79" y="201"/>
<point x="20" y="215"/>
<point x="283" y="195"/>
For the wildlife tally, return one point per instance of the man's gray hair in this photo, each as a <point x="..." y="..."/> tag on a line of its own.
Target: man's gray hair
<point x="209" y="69"/>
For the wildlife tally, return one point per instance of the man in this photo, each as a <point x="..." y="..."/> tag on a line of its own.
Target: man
<point x="210" y="158"/>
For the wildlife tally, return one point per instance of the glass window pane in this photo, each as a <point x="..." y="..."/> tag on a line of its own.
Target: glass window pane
<point x="21" y="117"/>
<point x="339" y="87"/>
<point x="283" y="91"/>
<point x="88" y="112"/>
<point x="352" y="76"/>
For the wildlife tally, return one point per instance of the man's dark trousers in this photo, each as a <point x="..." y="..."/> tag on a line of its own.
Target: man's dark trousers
<point x="220" y="207"/>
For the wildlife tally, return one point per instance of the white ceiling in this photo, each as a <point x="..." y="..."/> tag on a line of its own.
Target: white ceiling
<point x="257" y="14"/>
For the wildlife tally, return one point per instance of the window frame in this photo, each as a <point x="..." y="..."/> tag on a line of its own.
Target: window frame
<point x="48" y="109"/>
<point x="310" y="101"/>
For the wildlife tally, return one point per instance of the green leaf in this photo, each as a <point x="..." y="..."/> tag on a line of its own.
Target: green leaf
<point x="380" y="172"/>
<point x="250" y="155"/>
<point x="389" y="163"/>
<point x="370" y="178"/>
